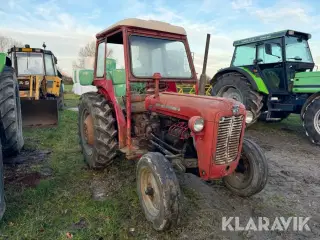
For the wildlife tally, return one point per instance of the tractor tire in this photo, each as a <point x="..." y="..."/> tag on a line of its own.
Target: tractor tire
<point x="10" y="113"/>
<point x="311" y="121"/>
<point x="252" y="169"/>
<point x="2" y="198"/>
<point x="61" y="99"/>
<point x="280" y="115"/>
<point x="97" y="131"/>
<point x="158" y="190"/>
<point x="236" y="86"/>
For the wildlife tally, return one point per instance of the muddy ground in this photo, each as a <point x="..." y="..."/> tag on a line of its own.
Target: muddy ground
<point x="292" y="190"/>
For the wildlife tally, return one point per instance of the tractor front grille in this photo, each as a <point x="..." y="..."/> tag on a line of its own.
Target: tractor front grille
<point x="229" y="134"/>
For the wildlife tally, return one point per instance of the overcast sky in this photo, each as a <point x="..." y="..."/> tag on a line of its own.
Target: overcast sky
<point x="67" y="25"/>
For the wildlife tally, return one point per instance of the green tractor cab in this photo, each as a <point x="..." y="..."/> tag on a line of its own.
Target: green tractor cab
<point x="273" y="75"/>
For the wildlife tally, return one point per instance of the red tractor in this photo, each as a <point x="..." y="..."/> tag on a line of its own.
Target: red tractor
<point x="137" y="111"/>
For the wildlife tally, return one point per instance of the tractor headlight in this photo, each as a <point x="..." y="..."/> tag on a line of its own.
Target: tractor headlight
<point x="249" y="117"/>
<point x="196" y="124"/>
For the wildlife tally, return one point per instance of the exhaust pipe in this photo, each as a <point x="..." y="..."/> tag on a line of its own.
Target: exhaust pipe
<point x="202" y="81"/>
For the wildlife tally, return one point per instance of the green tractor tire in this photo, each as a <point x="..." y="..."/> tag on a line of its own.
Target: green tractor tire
<point x="10" y="113"/>
<point x="236" y="86"/>
<point x="311" y="120"/>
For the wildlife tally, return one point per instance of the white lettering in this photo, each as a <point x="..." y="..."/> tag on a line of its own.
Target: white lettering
<point x="226" y="223"/>
<point x="276" y="225"/>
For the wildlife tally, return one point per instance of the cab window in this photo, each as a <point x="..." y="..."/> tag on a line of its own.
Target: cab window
<point x="274" y="56"/>
<point x="50" y="71"/>
<point x="100" y="60"/>
<point x="244" y="55"/>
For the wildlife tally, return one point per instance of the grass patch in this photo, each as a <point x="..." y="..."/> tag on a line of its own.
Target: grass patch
<point x="57" y="204"/>
<point x="71" y="100"/>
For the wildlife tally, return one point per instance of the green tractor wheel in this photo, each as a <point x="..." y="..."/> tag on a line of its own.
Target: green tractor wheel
<point x="11" y="135"/>
<point x="311" y="120"/>
<point x="236" y="86"/>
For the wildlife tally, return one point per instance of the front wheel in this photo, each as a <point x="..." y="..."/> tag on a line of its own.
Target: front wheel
<point x="311" y="121"/>
<point x="251" y="174"/>
<point x="158" y="190"/>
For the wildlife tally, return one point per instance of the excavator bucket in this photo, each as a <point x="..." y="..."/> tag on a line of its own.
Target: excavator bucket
<point x="39" y="113"/>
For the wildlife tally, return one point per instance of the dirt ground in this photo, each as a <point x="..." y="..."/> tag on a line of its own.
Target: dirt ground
<point x="292" y="190"/>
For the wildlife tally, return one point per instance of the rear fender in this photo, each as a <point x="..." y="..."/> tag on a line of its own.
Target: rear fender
<point x="256" y="82"/>
<point x="105" y="88"/>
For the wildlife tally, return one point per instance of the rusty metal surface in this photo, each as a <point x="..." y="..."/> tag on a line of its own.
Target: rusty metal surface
<point x="39" y="113"/>
<point x="228" y="139"/>
<point x="88" y="130"/>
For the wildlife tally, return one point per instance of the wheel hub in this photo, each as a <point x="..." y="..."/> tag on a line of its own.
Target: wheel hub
<point x="316" y="121"/>
<point x="233" y="93"/>
<point x="88" y="130"/>
<point x="151" y="196"/>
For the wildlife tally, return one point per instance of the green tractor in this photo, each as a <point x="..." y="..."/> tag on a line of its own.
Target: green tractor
<point x="272" y="75"/>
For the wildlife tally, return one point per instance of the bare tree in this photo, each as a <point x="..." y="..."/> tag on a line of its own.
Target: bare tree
<point x="7" y="42"/>
<point x="89" y="50"/>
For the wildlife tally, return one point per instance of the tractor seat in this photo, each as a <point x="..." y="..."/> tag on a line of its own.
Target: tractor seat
<point x="272" y="78"/>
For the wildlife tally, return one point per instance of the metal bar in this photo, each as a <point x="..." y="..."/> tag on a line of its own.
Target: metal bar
<point x="31" y="86"/>
<point x="128" y="87"/>
<point x="165" y="151"/>
<point x="202" y="83"/>
<point x="165" y="144"/>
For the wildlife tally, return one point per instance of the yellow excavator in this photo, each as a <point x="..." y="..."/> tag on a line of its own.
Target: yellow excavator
<point x="40" y="85"/>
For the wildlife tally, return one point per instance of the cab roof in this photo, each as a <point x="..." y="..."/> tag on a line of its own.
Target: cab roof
<point x="271" y="36"/>
<point x="28" y="49"/>
<point x="145" y="24"/>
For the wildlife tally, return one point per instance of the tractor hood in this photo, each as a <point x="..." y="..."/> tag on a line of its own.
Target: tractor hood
<point x="185" y="106"/>
<point x="306" y="82"/>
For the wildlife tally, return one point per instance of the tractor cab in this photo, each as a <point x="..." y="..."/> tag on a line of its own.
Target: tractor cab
<point x="276" y="57"/>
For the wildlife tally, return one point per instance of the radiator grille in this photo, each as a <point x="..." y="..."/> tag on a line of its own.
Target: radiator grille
<point x="228" y="139"/>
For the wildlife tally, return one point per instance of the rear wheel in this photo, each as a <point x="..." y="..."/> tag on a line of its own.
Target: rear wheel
<point x="236" y="86"/>
<point x="158" y="190"/>
<point x="251" y="174"/>
<point x="311" y="121"/>
<point x="2" y="199"/>
<point x="10" y="113"/>
<point x="97" y="132"/>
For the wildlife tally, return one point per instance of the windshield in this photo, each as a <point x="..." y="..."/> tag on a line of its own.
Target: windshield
<point x="297" y="50"/>
<point x="30" y="63"/>
<point x="151" y="55"/>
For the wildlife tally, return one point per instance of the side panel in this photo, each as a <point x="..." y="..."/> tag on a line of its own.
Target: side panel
<point x="53" y="85"/>
<point x="306" y="82"/>
<point x="255" y="80"/>
<point x="2" y="61"/>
